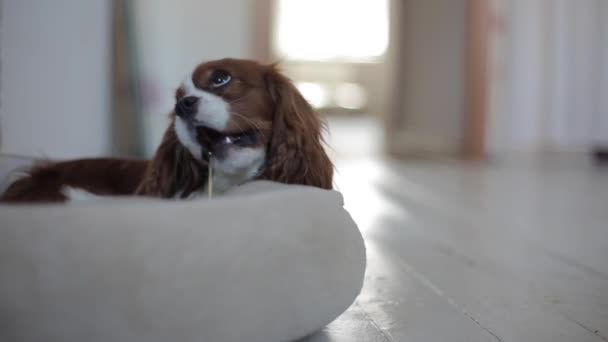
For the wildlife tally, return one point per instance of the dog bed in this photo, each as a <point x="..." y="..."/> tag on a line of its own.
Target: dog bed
<point x="265" y="262"/>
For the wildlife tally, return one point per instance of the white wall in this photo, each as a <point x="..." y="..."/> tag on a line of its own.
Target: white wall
<point x="55" y="77"/>
<point x="174" y="39"/>
<point x="55" y="56"/>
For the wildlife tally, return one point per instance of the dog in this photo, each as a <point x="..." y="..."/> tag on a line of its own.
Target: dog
<point x="243" y="120"/>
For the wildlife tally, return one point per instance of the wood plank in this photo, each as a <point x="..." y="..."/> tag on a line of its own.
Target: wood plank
<point x="400" y="305"/>
<point x="352" y="326"/>
<point x="508" y="308"/>
<point x="510" y="247"/>
<point x="407" y="308"/>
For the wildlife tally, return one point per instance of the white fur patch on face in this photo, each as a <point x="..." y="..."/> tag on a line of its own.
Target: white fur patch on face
<point x="239" y="166"/>
<point x="187" y="136"/>
<point x="213" y="111"/>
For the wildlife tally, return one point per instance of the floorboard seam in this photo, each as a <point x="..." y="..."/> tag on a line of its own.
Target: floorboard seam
<point x="428" y="283"/>
<point x="594" y="332"/>
<point x="384" y="334"/>
<point x="572" y="262"/>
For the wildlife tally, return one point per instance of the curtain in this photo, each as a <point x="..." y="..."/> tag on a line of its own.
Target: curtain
<point x="550" y="94"/>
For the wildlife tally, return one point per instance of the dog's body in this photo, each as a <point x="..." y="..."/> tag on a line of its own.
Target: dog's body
<point x="245" y="119"/>
<point x="50" y="181"/>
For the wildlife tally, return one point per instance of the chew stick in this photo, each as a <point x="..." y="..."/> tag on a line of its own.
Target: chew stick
<point x="210" y="177"/>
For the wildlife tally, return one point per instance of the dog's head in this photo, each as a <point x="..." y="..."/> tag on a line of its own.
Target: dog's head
<point x="249" y="121"/>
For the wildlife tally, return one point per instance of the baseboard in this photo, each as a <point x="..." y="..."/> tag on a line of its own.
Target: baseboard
<point x="416" y="145"/>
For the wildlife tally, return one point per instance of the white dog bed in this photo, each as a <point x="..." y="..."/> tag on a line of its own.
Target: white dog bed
<point x="266" y="262"/>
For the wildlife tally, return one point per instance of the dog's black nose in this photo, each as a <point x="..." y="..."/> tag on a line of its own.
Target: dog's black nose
<point x="186" y="107"/>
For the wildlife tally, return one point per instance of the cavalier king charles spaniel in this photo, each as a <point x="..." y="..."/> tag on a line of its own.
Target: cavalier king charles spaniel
<point x="241" y="119"/>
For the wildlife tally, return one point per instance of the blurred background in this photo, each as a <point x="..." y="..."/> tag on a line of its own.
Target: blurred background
<point x="436" y="78"/>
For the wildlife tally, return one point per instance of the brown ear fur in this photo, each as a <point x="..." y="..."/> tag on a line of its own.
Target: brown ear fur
<point x="295" y="153"/>
<point x="173" y="170"/>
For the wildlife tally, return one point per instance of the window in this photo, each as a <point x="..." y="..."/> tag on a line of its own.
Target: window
<point x="331" y="30"/>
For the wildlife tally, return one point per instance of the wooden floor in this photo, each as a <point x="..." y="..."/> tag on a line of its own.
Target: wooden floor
<point x="494" y="252"/>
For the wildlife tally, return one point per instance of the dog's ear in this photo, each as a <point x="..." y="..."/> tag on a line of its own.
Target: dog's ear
<point x="173" y="170"/>
<point x="295" y="153"/>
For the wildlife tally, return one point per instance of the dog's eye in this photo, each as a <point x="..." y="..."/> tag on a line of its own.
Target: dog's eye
<point x="219" y="78"/>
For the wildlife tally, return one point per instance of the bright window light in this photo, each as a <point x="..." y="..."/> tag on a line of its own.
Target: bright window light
<point x="324" y="30"/>
<point x="350" y="96"/>
<point x="314" y="93"/>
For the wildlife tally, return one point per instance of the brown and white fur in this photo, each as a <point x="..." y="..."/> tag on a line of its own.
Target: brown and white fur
<point x="246" y="119"/>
